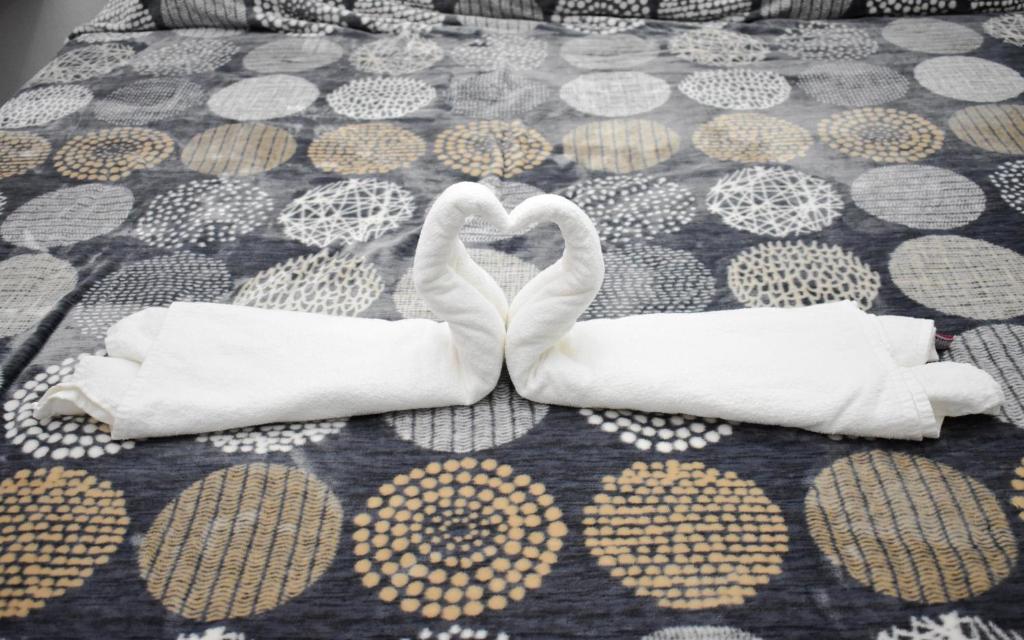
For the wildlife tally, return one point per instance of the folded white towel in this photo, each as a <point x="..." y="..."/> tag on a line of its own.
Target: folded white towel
<point x="829" y="368"/>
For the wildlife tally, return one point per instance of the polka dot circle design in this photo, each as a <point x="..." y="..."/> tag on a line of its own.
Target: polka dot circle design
<point x="184" y="56"/>
<point x="634" y="207"/>
<point x="381" y="98"/>
<point x="688" y="536"/>
<point x="700" y="633"/>
<point x="293" y="55"/>
<point x="717" y="47"/>
<point x="459" y="632"/>
<point x="373" y="147"/>
<point x="457" y="538"/>
<point x="752" y="137"/>
<point x="774" y="201"/>
<point x="31" y="285"/>
<point x="256" y="536"/>
<point x="658" y="431"/>
<point x="609" y="52"/>
<point x="621" y="146"/>
<point x="909" y="7"/>
<point x="21" y="152"/>
<point x="881" y="135"/>
<point x="501" y="51"/>
<point x="739" y="89"/>
<point x="874" y="514"/>
<point x="701" y="10"/>
<point x="400" y="55"/>
<point x="155" y="282"/>
<point x="498" y="94"/>
<point x="62" y="437"/>
<point x="799" y="273"/>
<point x="968" y="78"/>
<point x="1008" y="178"/>
<point x="150" y="100"/>
<point x="241" y="149"/>
<point x="272" y="438"/>
<point x="397" y="16"/>
<point x="68" y="215"/>
<point x="347" y="212"/>
<point x="38" y="107"/>
<point x="491" y="147"/>
<point x="851" y="83"/>
<point x="323" y="282"/>
<point x="918" y="196"/>
<point x="615" y="93"/>
<point x="643" y="279"/>
<point x="300" y="16"/>
<point x="59" y="526"/>
<point x="948" y="627"/>
<point x="623" y="8"/>
<point x="826" y="41"/>
<point x="204" y="213"/>
<point x="109" y="155"/>
<point x="129" y="15"/>
<point x="264" y="98"/>
<point x="999" y="350"/>
<point x="998" y="128"/>
<point x="960" y="276"/>
<point x="602" y="25"/>
<point x="84" y="63"/>
<point x="930" y="35"/>
<point x="1009" y="28"/>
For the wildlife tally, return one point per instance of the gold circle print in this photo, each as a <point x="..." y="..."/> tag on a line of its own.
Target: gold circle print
<point x="752" y="137"/>
<point x="457" y="538"/>
<point x="910" y="528"/>
<point x="621" y="146"/>
<point x="56" y="526"/>
<point x="373" y="147"/>
<point x="491" y="148"/>
<point x="110" y="155"/>
<point x="238" y="149"/>
<point x="881" y="135"/>
<point x="689" y="536"/>
<point x="21" y="152"/>
<point x="240" y="542"/>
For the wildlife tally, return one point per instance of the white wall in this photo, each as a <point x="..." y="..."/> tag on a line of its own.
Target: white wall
<point x="32" y="31"/>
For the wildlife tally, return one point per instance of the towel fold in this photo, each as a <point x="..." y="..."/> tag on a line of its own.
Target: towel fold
<point x="830" y="368"/>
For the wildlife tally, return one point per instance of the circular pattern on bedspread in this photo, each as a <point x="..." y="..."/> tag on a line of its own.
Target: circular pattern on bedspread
<point x="109" y="155"/>
<point x="634" y="206"/>
<point x="875" y="514"/>
<point x="826" y="41"/>
<point x="21" y="152"/>
<point x="993" y="127"/>
<point x="881" y="134"/>
<point x="700" y="633"/>
<point x="381" y="98"/>
<point x="642" y="278"/>
<point x="263" y="98"/>
<point x="373" y="147"/>
<point x="293" y="55"/>
<point x="998" y="349"/>
<point x="701" y="10"/>
<point x="457" y="538"/>
<point x="738" y="89"/>
<point x="1009" y="28"/>
<point x="499" y="94"/>
<point x="347" y="212"/>
<point x="68" y="215"/>
<point x="301" y="16"/>
<point x="930" y="35"/>
<point x="718" y="47"/>
<point x="918" y="196"/>
<point x="399" y="55"/>
<point x="500" y="51"/>
<point x="851" y="83"/>
<point x="1009" y="179"/>
<point x="663" y="432"/>
<point x="151" y="100"/>
<point x="256" y="535"/>
<point x="491" y="147"/>
<point x="241" y="149"/>
<point x="960" y="276"/>
<point x="800" y="273"/>
<point x="670" y="531"/>
<point x="397" y="16"/>
<point x="41" y="106"/>
<point x="184" y="56"/>
<point x="615" y="93"/>
<point x="458" y="632"/>
<point x="621" y="146"/>
<point x="948" y="626"/>
<point x="84" y="63"/>
<point x="59" y="526"/>
<point x="272" y="438"/>
<point x="752" y="137"/>
<point x="774" y="201"/>
<point x="31" y="285"/>
<point x="609" y="52"/>
<point x="969" y="78"/>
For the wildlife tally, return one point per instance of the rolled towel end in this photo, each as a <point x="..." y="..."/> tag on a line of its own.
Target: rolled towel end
<point x="95" y="389"/>
<point x="957" y="389"/>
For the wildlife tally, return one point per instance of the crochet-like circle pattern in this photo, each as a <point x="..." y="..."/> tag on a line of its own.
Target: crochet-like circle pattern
<point x="347" y="212"/>
<point x="1009" y="179"/>
<point x="661" y="432"/>
<point x="256" y="536"/>
<point x="948" y="626"/>
<point x="491" y="147"/>
<point x="184" y="56"/>
<point x="324" y="282"/>
<point x="634" y="207"/>
<point x="493" y="51"/>
<point x="998" y="349"/>
<point x="272" y="438"/>
<point x="238" y="149"/>
<point x="84" y="63"/>
<point x="969" y="78"/>
<point x="615" y="93"/>
<point x="774" y="201"/>
<point x="931" y="35"/>
<point x="457" y="538"/>
<point x="68" y="215"/>
<point x="293" y="55"/>
<point x="264" y="98"/>
<point x="960" y="276"/>
<point x="62" y="437"/>
<point x="740" y="89"/>
<point x="873" y="514"/>
<point x="155" y="282"/>
<point x="918" y="196"/>
<point x="31" y="284"/>
<point x="701" y="10"/>
<point x="38" y="107"/>
<point x="609" y="52"/>
<point x="381" y="98"/>
<point x="718" y="47"/>
<point x="621" y="146"/>
<point x="146" y="101"/>
<point x="881" y="134"/>
<point x="799" y="273"/>
<point x="700" y="633"/>
<point x="1009" y="28"/>
<point x="752" y="137"/>
<point x="204" y="213"/>
<point x="399" y="55"/>
<point x="373" y="147"/>
<point x="394" y="16"/>
<point x="20" y="152"/>
<point x="59" y="525"/>
<point x="301" y="16"/>
<point x="826" y="41"/>
<point x="993" y="127"/>
<point x="109" y="155"/>
<point x="498" y="94"/>
<point x="642" y="278"/>
<point x="687" y="536"/>
<point x="851" y="83"/>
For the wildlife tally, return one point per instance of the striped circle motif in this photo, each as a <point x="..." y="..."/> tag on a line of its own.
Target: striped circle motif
<point x="999" y="350"/>
<point x="240" y="542"/>
<point x="293" y="55"/>
<point x="621" y="146"/>
<point x="238" y="149"/>
<point x="918" y="196"/>
<point x="909" y="527"/>
<point x="969" y="78"/>
<point x="264" y="98"/>
<point x="700" y="633"/>
<point x="931" y="35"/>
<point x="608" y="52"/>
<point x="993" y="127"/>
<point x="68" y="215"/>
<point x="31" y="285"/>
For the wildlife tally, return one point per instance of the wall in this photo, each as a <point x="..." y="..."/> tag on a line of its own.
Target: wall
<point x="32" y="31"/>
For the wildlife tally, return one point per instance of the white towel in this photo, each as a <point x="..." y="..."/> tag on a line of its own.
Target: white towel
<point x="829" y="368"/>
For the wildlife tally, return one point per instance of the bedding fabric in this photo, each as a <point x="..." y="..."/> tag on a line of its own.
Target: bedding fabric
<point x="202" y="151"/>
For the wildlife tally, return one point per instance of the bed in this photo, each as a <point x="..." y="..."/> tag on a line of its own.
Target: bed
<point x="282" y="154"/>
